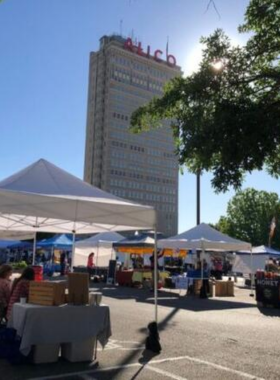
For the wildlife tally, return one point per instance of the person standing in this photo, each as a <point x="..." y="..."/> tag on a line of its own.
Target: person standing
<point x="20" y="288"/>
<point x="90" y="264"/>
<point x="152" y="261"/>
<point x="5" y="288"/>
<point x="90" y="261"/>
<point x="62" y="263"/>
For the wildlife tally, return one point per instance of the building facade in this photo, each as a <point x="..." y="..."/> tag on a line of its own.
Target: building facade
<point x="143" y="167"/>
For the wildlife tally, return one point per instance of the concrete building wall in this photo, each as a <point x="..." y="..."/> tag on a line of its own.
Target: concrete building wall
<point x="141" y="167"/>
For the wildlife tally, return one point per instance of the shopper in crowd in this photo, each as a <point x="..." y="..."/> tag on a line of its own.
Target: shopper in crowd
<point x="20" y="288"/>
<point x="5" y="288"/>
<point x="152" y="261"/>
<point x="62" y="263"/>
<point x="90" y="262"/>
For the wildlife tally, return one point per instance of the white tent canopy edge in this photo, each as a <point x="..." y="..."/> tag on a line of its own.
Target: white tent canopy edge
<point x="43" y="197"/>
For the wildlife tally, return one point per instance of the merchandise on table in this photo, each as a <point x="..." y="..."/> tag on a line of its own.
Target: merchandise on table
<point x="48" y="293"/>
<point x="78" y="288"/>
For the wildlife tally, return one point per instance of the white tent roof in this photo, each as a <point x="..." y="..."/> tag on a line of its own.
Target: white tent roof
<point x="102" y="237"/>
<point x="260" y="250"/>
<point x="43" y="197"/>
<point x="203" y="237"/>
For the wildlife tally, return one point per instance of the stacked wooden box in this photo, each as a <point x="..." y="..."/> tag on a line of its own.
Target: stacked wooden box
<point x="48" y="293"/>
<point x="224" y="289"/>
<point x="78" y="288"/>
<point x="197" y="286"/>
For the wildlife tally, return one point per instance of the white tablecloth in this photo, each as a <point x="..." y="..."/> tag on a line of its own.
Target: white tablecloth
<point x="37" y="324"/>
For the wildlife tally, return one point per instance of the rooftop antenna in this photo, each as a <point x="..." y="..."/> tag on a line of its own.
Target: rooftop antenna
<point x="121" y="25"/>
<point x="132" y="35"/>
<point x="167" y="46"/>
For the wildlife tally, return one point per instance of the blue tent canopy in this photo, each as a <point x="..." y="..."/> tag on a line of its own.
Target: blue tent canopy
<point x="8" y="243"/>
<point x="57" y="241"/>
<point x="21" y="245"/>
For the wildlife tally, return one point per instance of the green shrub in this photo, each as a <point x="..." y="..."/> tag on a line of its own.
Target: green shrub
<point x="19" y="265"/>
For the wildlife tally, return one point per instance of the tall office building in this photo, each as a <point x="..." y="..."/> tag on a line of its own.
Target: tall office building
<point x="142" y="167"/>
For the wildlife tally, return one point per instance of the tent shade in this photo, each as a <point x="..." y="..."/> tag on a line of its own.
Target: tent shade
<point x="101" y="245"/>
<point x="137" y="244"/>
<point x="143" y="244"/>
<point x="103" y="236"/>
<point x="21" y="245"/>
<point x="204" y="237"/>
<point x="43" y="197"/>
<point x="58" y="241"/>
<point x="7" y="243"/>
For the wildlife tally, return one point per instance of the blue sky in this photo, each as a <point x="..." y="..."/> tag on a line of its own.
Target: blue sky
<point x="44" y="47"/>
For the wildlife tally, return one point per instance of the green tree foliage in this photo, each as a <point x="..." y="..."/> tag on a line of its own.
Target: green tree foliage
<point x="226" y="116"/>
<point x="249" y="215"/>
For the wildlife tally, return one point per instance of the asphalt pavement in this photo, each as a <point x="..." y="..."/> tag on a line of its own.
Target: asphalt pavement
<point x="213" y="339"/>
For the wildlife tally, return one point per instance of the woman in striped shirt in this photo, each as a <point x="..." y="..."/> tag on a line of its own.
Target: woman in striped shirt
<point x="20" y="288"/>
<point x="5" y="288"/>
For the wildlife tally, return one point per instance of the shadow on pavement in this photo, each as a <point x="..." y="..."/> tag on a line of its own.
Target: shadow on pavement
<point x="171" y="299"/>
<point x="270" y="311"/>
<point x="144" y="360"/>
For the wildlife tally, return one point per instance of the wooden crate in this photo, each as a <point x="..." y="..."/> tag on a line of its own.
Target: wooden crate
<point x="197" y="286"/>
<point x="221" y="288"/>
<point x="224" y="289"/>
<point x="230" y="289"/>
<point x="48" y="293"/>
<point x="78" y="288"/>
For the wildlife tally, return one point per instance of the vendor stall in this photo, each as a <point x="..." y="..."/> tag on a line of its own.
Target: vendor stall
<point x="137" y="248"/>
<point x="268" y="285"/>
<point x="201" y="239"/>
<point x="101" y="244"/>
<point x="46" y="328"/>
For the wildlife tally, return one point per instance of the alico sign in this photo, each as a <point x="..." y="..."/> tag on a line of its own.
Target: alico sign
<point x="157" y="56"/>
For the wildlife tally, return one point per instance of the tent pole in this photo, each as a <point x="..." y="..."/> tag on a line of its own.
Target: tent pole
<point x="73" y="250"/>
<point x="34" y="248"/>
<point x="97" y="253"/>
<point x="252" y="274"/>
<point x="155" y="276"/>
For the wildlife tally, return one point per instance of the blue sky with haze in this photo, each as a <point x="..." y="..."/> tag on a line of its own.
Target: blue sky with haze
<point x="44" y="47"/>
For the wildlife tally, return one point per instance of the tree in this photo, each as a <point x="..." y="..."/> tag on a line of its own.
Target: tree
<point x="249" y="214"/>
<point x="226" y="116"/>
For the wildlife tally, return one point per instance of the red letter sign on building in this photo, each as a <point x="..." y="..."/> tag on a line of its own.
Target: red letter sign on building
<point x="157" y="53"/>
<point x="170" y="59"/>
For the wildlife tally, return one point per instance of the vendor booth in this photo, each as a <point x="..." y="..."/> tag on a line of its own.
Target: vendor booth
<point x="138" y="250"/>
<point x="203" y="240"/>
<point x="102" y="246"/>
<point x="242" y="262"/>
<point x="44" y="198"/>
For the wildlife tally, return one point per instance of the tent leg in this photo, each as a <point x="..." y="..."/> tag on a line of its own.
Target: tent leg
<point x="252" y="273"/>
<point x="73" y="250"/>
<point x="155" y="277"/>
<point x="34" y="249"/>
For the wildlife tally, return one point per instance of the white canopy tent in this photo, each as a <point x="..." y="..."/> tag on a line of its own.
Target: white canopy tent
<point x="101" y="244"/>
<point x="45" y="198"/>
<point x="261" y="254"/>
<point x="203" y="237"/>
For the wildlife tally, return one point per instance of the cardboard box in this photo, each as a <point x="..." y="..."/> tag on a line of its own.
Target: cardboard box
<point x="78" y="288"/>
<point x="45" y="353"/>
<point x="48" y="293"/>
<point x="79" y="351"/>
